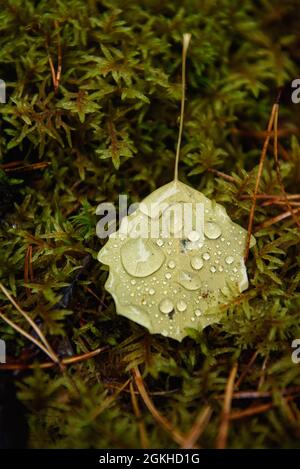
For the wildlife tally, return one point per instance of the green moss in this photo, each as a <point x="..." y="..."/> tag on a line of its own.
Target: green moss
<point x="110" y="128"/>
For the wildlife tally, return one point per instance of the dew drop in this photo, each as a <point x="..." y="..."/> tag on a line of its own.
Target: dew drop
<point x="196" y="262"/>
<point x="213" y="269"/>
<point x="229" y="260"/>
<point x="168" y="275"/>
<point x="140" y="257"/>
<point x="166" y="306"/>
<point x="133" y="282"/>
<point x="212" y="230"/>
<point x="206" y="256"/>
<point x="189" y="280"/>
<point x="198" y="312"/>
<point x="151" y="291"/>
<point x="194" y="236"/>
<point x="181" y="306"/>
<point x="172" y="265"/>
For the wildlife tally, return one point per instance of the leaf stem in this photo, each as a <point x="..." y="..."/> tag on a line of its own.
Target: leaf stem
<point x="186" y="41"/>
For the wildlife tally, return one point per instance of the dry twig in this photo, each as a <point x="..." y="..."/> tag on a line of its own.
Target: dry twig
<point x="163" y="422"/>
<point x="224" y="426"/>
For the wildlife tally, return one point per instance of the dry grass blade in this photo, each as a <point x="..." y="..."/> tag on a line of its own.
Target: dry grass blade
<point x="138" y="414"/>
<point x="50" y="352"/>
<point x="246" y="370"/>
<point x="55" y="74"/>
<point x="224" y="426"/>
<point x="259" y="409"/>
<point x="11" y="167"/>
<point x="45" y="365"/>
<point x="198" y="428"/>
<point x="162" y="421"/>
<point x="25" y="334"/>
<point x="251" y="411"/>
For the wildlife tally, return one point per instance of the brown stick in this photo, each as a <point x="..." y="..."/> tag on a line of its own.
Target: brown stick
<point x="279" y="202"/>
<point x="24" y="167"/>
<point x="262" y="133"/>
<point x="276" y="219"/>
<point x="251" y="411"/>
<point x="278" y="173"/>
<point x="246" y="370"/>
<point x="271" y="196"/>
<point x="260" y="394"/>
<point x="259" y="409"/>
<point x="45" y="365"/>
<point x="258" y="178"/>
<point x="225" y="176"/>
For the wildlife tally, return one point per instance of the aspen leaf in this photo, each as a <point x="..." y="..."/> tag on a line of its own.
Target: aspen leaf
<point x="176" y="259"/>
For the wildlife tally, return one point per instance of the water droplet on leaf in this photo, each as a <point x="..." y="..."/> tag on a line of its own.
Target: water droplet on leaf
<point x="166" y="306"/>
<point x="212" y="230"/>
<point x="229" y="260"/>
<point x="196" y="262"/>
<point x="194" y="236"/>
<point x="189" y="280"/>
<point x="181" y="306"/>
<point x="140" y="257"/>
